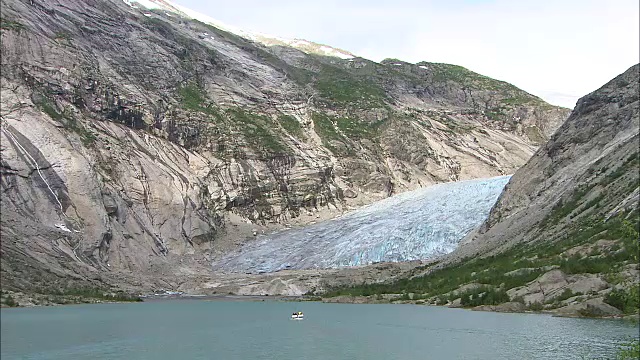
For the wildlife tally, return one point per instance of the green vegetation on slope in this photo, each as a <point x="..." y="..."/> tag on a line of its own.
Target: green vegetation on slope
<point x="68" y="119"/>
<point x="496" y="273"/>
<point x="291" y="125"/>
<point x="448" y="72"/>
<point x="256" y="131"/>
<point x="342" y="88"/>
<point x="7" y="300"/>
<point x="6" y="24"/>
<point x="626" y="300"/>
<point x="459" y="74"/>
<point x="96" y="293"/>
<point x="194" y="98"/>
<point x="324" y="127"/>
<point x="73" y="295"/>
<point x="63" y="35"/>
<point x="484" y="295"/>
<point x="343" y="130"/>
<point x="356" y="130"/>
<point x="508" y="98"/>
<point x="575" y="204"/>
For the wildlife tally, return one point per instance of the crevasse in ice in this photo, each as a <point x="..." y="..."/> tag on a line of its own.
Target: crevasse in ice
<point x="414" y="225"/>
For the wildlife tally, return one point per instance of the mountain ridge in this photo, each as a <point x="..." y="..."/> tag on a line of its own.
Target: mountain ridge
<point x="563" y="235"/>
<point x="269" y="40"/>
<point x="140" y="140"/>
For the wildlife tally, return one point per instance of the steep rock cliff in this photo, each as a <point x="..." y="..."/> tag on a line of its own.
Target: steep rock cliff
<point x="588" y="169"/>
<point x="134" y="138"/>
<point x="563" y="236"/>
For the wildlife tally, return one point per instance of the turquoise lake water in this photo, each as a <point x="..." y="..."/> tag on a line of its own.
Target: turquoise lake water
<point x="195" y="329"/>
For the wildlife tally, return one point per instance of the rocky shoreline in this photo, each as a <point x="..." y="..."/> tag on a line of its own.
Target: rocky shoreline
<point x="596" y="307"/>
<point x="588" y="292"/>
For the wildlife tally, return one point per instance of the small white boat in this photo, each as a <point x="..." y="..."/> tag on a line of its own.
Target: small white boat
<point x="297" y="316"/>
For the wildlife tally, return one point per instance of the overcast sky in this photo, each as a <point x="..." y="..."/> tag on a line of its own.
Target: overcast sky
<point x="559" y="50"/>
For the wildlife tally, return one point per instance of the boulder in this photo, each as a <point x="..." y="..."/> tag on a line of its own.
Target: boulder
<point x="505" y="307"/>
<point x="110" y="205"/>
<point x="537" y="297"/>
<point x="346" y="299"/>
<point x="591" y="308"/>
<point x="546" y="286"/>
<point x="350" y="194"/>
<point x="552" y="280"/>
<point x="586" y="284"/>
<point x="466" y="287"/>
<point x="518" y="272"/>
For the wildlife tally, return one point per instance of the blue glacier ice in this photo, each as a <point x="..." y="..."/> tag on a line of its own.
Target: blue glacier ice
<point x="420" y="224"/>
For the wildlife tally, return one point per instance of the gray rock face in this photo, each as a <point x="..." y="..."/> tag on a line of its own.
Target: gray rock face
<point x="571" y="213"/>
<point x="552" y="284"/>
<point x="586" y="284"/>
<point x="591" y="159"/>
<point x="593" y="307"/>
<point x="506" y="307"/>
<point x="132" y="142"/>
<point x="567" y="222"/>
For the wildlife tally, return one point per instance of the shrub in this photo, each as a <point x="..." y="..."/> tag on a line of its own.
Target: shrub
<point x="441" y="300"/>
<point x="567" y="293"/>
<point x="256" y="130"/>
<point x="589" y="311"/>
<point x="625" y="300"/>
<point x="10" y="302"/>
<point x="535" y="306"/>
<point x="340" y="87"/>
<point x="291" y="125"/>
<point x="483" y="296"/>
<point x="6" y="24"/>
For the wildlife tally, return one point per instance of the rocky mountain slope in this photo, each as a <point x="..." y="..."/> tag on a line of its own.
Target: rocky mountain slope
<point x="588" y="169"/>
<point x="136" y="139"/>
<point x="563" y="235"/>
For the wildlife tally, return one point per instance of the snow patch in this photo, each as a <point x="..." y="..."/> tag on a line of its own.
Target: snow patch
<point x="265" y="39"/>
<point x="149" y="4"/>
<point x="334" y="52"/>
<point x="62" y="227"/>
<point x="297" y="42"/>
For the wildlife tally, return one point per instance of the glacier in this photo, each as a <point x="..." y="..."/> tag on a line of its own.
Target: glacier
<point x="415" y="225"/>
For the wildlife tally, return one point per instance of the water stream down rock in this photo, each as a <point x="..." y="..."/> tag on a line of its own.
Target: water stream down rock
<point x="415" y="225"/>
